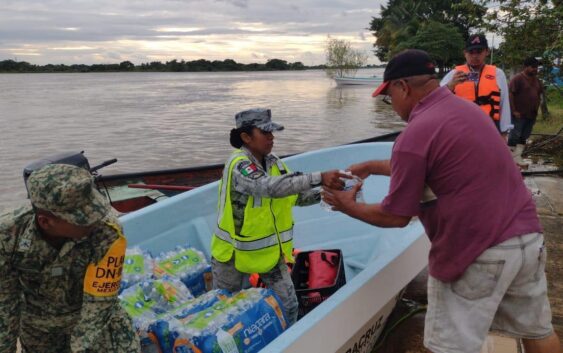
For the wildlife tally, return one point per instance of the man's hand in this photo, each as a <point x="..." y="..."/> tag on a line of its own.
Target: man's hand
<point x="341" y="200"/>
<point x="332" y="179"/>
<point x="459" y="77"/>
<point x="516" y="114"/>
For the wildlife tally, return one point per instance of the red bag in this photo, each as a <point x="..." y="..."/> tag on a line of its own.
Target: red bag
<point x="323" y="268"/>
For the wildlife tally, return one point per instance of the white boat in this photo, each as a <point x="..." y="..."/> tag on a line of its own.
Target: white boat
<point x="372" y="81"/>
<point x="378" y="262"/>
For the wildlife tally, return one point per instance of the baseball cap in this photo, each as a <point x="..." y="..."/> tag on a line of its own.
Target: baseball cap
<point x="260" y="118"/>
<point x="69" y="193"/>
<point x="476" y="41"/>
<point x="531" y="61"/>
<point x="410" y="62"/>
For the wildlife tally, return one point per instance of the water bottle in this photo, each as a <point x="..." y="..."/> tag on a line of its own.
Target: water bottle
<point x="348" y="185"/>
<point x="226" y="342"/>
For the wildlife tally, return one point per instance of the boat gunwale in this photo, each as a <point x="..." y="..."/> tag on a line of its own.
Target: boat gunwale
<point x="126" y="176"/>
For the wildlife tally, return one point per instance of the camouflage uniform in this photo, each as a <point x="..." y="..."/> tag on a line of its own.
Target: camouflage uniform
<point x="43" y="292"/>
<point x="259" y="183"/>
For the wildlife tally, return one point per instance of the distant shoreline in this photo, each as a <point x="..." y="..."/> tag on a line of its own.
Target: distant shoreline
<point x="202" y="65"/>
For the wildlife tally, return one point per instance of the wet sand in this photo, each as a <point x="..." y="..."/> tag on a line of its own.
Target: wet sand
<point x="548" y="195"/>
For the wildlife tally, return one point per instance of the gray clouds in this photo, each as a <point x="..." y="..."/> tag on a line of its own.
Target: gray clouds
<point x="83" y="31"/>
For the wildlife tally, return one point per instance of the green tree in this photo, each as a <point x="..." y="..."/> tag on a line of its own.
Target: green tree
<point x="277" y="64"/>
<point x="529" y="28"/>
<point x="126" y="66"/>
<point x="342" y="59"/>
<point x="401" y="19"/>
<point x="443" y="42"/>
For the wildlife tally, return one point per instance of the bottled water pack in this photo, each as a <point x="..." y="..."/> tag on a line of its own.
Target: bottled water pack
<point x="187" y="264"/>
<point x="138" y="266"/>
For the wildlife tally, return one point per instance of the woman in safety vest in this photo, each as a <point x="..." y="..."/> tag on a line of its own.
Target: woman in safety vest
<point x="254" y="232"/>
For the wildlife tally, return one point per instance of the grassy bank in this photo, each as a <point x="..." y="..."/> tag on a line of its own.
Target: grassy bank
<point x="549" y="148"/>
<point x="554" y="122"/>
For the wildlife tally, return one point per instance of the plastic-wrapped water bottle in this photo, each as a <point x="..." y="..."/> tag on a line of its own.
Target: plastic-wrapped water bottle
<point x="138" y="266"/>
<point x="188" y="264"/>
<point x="226" y="342"/>
<point x="348" y="185"/>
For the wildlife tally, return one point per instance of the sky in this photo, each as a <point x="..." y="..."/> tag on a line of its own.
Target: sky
<point x="247" y="31"/>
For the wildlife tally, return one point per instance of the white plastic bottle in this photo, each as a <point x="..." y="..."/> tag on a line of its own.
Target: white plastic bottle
<point x="348" y="185"/>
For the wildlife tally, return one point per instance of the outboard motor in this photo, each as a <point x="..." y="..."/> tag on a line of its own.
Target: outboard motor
<point x="73" y="158"/>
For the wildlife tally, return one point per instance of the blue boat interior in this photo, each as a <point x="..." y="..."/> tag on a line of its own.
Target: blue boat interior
<point x="190" y="218"/>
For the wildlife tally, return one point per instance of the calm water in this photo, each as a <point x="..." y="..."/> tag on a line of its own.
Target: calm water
<point x="154" y="121"/>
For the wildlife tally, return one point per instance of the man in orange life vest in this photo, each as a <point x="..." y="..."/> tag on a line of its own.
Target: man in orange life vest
<point x="483" y="84"/>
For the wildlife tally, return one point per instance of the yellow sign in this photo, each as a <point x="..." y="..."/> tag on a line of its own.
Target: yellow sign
<point x="103" y="279"/>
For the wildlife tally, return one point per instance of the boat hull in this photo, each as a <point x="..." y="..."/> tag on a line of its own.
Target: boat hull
<point x="378" y="262"/>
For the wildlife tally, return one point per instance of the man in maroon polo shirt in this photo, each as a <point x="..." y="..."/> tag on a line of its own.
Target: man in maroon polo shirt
<point x="487" y="257"/>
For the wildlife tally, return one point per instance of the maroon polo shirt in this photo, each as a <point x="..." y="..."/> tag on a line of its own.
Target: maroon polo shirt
<point x="453" y="147"/>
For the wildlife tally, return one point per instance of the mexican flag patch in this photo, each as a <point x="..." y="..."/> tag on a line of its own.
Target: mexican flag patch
<point x="249" y="170"/>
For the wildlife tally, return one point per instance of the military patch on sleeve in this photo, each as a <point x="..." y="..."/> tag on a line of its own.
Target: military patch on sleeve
<point x="103" y="279"/>
<point x="247" y="169"/>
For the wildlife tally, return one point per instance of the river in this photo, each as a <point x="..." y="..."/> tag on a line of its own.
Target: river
<point x="154" y="121"/>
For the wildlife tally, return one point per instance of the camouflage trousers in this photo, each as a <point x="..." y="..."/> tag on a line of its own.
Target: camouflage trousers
<point x="278" y="279"/>
<point x="116" y="337"/>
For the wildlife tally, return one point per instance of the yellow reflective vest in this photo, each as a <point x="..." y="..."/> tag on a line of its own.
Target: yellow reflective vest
<point x="267" y="229"/>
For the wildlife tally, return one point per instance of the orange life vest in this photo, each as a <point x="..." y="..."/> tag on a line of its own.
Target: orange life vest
<point x="486" y="93"/>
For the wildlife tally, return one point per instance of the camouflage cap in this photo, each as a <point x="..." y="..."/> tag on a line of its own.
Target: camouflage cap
<point x="69" y="193"/>
<point x="261" y="118"/>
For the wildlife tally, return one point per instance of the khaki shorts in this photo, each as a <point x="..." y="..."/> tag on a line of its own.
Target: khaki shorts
<point x="505" y="290"/>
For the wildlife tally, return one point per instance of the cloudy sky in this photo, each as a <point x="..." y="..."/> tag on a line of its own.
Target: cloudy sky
<point x="110" y="31"/>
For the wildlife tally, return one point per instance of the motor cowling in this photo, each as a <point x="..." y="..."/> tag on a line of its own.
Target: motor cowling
<point x="73" y="158"/>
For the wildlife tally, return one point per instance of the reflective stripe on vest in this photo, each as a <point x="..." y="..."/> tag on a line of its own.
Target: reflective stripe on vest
<point x="266" y="231"/>
<point x="486" y="93"/>
<point x="264" y="242"/>
<point x="238" y="154"/>
<point x="256" y="244"/>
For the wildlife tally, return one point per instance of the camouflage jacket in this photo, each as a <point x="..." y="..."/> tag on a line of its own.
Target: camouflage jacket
<point x="42" y="291"/>
<point x="251" y="178"/>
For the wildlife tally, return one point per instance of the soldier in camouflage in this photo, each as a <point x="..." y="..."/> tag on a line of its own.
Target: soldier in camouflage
<point x="60" y="263"/>
<point x="251" y="177"/>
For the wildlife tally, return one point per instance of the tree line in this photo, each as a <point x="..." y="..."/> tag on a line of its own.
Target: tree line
<point x="523" y="28"/>
<point x="201" y="65"/>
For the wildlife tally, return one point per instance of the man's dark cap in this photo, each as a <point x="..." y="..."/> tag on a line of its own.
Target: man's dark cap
<point x="410" y="62"/>
<point x="476" y="41"/>
<point x="531" y="62"/>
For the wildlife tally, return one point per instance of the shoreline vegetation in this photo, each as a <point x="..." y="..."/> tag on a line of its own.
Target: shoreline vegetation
<point x="547" y="137"/>
<point x="201" y="65"/>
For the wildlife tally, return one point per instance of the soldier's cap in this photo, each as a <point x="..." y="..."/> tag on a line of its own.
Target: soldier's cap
<point x="410" y="62"/>
<point x="260" y="118"/>
<point x="69" y="193"/>
<point x="476" y="41"/>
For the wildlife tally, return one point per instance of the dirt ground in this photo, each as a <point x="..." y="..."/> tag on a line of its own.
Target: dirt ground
<point x="548" y="194"/>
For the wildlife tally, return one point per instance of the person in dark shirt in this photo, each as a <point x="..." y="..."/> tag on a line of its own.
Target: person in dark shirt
<point x="525" y="96"/>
